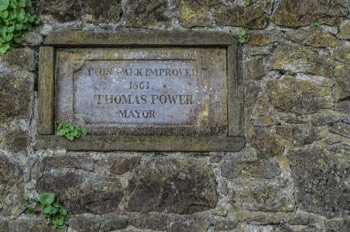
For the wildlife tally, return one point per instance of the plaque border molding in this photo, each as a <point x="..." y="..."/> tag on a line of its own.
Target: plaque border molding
<point x="46" y="139"/>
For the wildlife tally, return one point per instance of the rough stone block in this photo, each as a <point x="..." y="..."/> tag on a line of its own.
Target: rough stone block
<point x="344" y="30"/>
<point x="102" y="11"/>
<point x="299" y="96"/>
<point x="291" y="13"/>
<point x="173" y="185"/>
<point x="83" y="192"/>
<point x="267" y="143"/>
<point x="263" y="195"/>
<point x="315" y="37"/>
<point x="321" y="176"/>
<point x="11" y="188"/>
<point x="258" y="169"/>
<point x="21" y="57"/>
<point x="16" y="95"/>
<point x="300" y="60"/>
<point x="141" y="13"/>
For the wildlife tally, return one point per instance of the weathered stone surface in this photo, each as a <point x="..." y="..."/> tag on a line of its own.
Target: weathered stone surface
<point x="267" y="143"/>
<point x="150" y="221"/>
<point x="16" y="141"/>
<point x="29" y="224"/>
<point x="193" y="226"/>
<point x="299" y="96"/>
<point x="103" y="11"/>
<point x="321" y="176"/>
<point x="195" y="13"/>
<point x="16" y="94"/>
<point x="141" y="13"/>
<point x="261" y="114"/>
<point x="32" y="38"/>
<point x="300" y="60"/>
<point x="344" y="30"/>
<point x="83" y="192"/>
<point x="21" y="57"/>
<point x="83" y="161"/>
<point x="255" y="68"/>
<point x="93" y="223"/>
<point x="11" y="188"/>
<point x="263" y="195"/>
<point x="315" y="37"/>
<point x="342" y="53"/>
<point x="298" y="135"/>
<point x="343" y="107"/>
<point x="339" y="128"/>
<point x="266" y="168"/>
<point x="342" y="81"/>
<point x="119" y="165"/>
<point x="291" y="13"/>
<point x="240" y="16"/>
<point x="338" y="225"/>
<point x="263" y="38"/>
<point x="173" y="185"/>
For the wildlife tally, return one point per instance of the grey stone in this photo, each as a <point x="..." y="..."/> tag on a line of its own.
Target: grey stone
<point x="119" y="165"/>
<point x="321" y="176"/>
<point x="83" y="161"/>
<point x="21" y="57"/>
<point x="146" y="13"/>
<point x="83" y="192"/>
<point x="267" y="143"/>
<point x="263" y="195"/>
<point x="173" y="185"/>
<point x="103" y="11"/>
<point x="344" y="30"/>
<point x="342" y="129"/>
<point x="240" y="16"/>
<point x="298" y="135"/>
<point x="15" y="141"/>
<point x="92" y="223"/>
<point x="11" y="188"/>
<point x="16" y="95"/>
<point x="338" y="225"/>
<point x="315" y="37"/>
<point x="193" y="226"/>
<point x="298" y="96"/>
<point x="255" y="68"/>
<point x="300" y="60"/>
<point x="259" y="169"/>
<point x="30" y="224"/>
<point x="342" y="53"/>
<point x="291" y="13"/>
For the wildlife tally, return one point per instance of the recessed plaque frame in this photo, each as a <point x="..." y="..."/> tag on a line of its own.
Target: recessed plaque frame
<point x="209" y="111"/>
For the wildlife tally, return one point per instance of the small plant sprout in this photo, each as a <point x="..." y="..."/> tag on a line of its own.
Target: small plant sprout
<point x="243" y="36"/>
<point x="315" y="24"/>
<point x="49" y="206"/>
<point x="70" y="131"/>
<point x="52" y="209"/>
<point x="246" y="3"/>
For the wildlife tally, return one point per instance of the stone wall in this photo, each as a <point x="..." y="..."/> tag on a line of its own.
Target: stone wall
<point x="293" y="174"/>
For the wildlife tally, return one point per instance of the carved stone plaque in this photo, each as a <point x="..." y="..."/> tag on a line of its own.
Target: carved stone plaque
<point x="143" y="91"/>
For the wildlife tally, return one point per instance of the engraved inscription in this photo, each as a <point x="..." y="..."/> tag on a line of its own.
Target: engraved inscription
<point x="164" y="91"/>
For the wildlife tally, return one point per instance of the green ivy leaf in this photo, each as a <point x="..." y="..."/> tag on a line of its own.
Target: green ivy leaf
<point x="22" y="3"/>
<point x="18" y="39"/>
<point x="4" y="48"/>
<point x="48" y="210"/>
<point x="46" y="198"/>
<point x="4" y="4"/>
